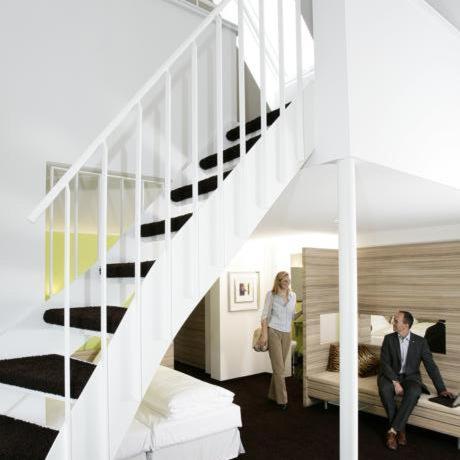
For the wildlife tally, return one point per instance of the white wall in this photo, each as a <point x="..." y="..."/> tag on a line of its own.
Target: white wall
<point x="450" y="9"/>
<point x="69" y="68"/>
<point x="231" y="353"/>
<point x="404" y="94"/>
<point x="402" y="67"/>
<point x="409" y="235"/>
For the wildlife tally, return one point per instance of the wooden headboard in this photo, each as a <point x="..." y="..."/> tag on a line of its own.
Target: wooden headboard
<point x="422" y="278"/>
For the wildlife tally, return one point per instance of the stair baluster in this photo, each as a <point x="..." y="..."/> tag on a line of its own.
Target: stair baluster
<point x="280" y="164"/>
<point x="220" y="139"/>
<point x="299" y="96"/>
<point x="102" y="231"/>
<point x="137" y="229"/>
<point x="263" y="106"/>
<point x="194" y="121"/>
<point x="67" y="396"/>
<point x="168" y="171"/>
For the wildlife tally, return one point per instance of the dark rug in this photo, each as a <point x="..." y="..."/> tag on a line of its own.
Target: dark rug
<point x="254" y="125"/>
<point x="204" y="186"/>
<point x="229" y="154"/>
<point x="158" y="228"/>
<point x="45" y="373"/>
<point x="24" y="441"/>
<point x="126" y="269"/>
<point x="313" y="433"/>
<point x="88" y="318"/>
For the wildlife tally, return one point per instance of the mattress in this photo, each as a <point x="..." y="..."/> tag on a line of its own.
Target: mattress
<point x="163" y="432"/>
<point x="166" y="432"/>
<point x="225" y="445"/>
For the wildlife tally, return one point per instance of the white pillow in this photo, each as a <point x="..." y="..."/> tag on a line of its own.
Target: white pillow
<point x="379" y="322"/>
<point x="177" y="396"/>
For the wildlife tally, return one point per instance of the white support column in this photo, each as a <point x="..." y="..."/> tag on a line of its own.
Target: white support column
<point x="348" y="301"/>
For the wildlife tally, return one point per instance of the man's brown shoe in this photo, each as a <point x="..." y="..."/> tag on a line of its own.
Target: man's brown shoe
<point x="392" y="443"/>
<point x="402" y="440"/>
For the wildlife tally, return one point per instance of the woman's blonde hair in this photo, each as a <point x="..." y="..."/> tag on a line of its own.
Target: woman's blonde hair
<point x="279" y="276"/>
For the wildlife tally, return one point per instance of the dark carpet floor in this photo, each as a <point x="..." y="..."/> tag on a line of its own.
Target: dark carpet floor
<point x="313" y="433"/>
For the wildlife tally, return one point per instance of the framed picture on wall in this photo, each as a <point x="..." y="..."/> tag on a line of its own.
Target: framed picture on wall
<point x="243" y="288"/>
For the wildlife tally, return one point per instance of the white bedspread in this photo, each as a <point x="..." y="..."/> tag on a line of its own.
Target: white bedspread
<point x="164" y="432"/>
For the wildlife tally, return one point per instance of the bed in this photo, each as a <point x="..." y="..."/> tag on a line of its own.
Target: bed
<point x="182" y="417"/>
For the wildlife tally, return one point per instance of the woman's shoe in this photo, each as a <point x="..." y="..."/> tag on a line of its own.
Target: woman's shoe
<point x="283" y="407"/>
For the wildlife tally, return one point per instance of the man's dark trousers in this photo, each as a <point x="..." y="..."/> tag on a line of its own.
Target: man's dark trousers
<point x="412" y="391"/>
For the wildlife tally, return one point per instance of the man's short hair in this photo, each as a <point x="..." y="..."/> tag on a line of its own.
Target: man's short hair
<point x="407" y="318"/>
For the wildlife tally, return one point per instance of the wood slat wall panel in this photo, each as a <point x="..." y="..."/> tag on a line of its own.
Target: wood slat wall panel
<point x="189" y="343"/>
<point x="422" y="278"/>
<point x="321" y="295"/>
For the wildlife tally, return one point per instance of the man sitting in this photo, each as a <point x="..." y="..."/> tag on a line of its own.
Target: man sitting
<point x="399" y="375"/>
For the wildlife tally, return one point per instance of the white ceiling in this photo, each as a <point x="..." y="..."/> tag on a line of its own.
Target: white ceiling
<point x="386" y="200"/>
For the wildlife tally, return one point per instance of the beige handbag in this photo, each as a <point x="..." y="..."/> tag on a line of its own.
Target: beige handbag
<point x="258" y="332"/>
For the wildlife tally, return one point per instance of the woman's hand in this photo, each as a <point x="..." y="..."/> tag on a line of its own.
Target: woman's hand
<point x="263" y="341"/>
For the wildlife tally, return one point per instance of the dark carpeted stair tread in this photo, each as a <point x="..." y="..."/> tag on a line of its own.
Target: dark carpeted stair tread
<point x="24" y="441"/>
<point x="126" y="269"/>
<point x="158" y="228"/>
<point x="88" y="318"/>
<point x="45" y="373"/>
<point x="204" y="186"/>
<point x="230" y="154"/>
<point x="253" y="125"/>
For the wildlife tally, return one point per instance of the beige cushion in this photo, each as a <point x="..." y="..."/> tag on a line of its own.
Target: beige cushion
<point x="369" y="385"/>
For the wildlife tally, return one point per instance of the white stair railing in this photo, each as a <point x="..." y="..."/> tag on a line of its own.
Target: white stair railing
<point x="109" y="400"/>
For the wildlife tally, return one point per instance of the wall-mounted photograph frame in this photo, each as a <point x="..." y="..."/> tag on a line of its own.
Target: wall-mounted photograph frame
<point x="243" y="288"/>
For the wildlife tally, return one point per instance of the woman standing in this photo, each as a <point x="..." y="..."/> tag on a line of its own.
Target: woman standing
<point x="277" y="317"/>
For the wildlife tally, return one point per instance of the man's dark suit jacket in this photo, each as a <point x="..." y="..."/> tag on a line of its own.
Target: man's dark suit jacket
<point x="390" y="361"/>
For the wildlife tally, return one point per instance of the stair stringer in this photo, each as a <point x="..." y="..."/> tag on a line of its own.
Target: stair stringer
<point x="159" y="319"/>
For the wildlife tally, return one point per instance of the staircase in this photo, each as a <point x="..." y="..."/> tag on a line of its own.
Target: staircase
<point x="100" y="400"/>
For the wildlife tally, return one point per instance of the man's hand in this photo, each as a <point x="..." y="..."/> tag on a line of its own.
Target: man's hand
<point x="399" y="390"/>
<point x="447" y="394"/>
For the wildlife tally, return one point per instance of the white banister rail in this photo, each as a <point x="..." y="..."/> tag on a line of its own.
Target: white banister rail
<point x="103" y="136"/>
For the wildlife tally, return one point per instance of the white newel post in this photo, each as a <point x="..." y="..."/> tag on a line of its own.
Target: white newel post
<point x="348" y="302"/>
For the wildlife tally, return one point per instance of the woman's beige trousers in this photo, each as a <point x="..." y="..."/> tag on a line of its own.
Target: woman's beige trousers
<point x="278" y="349"/>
